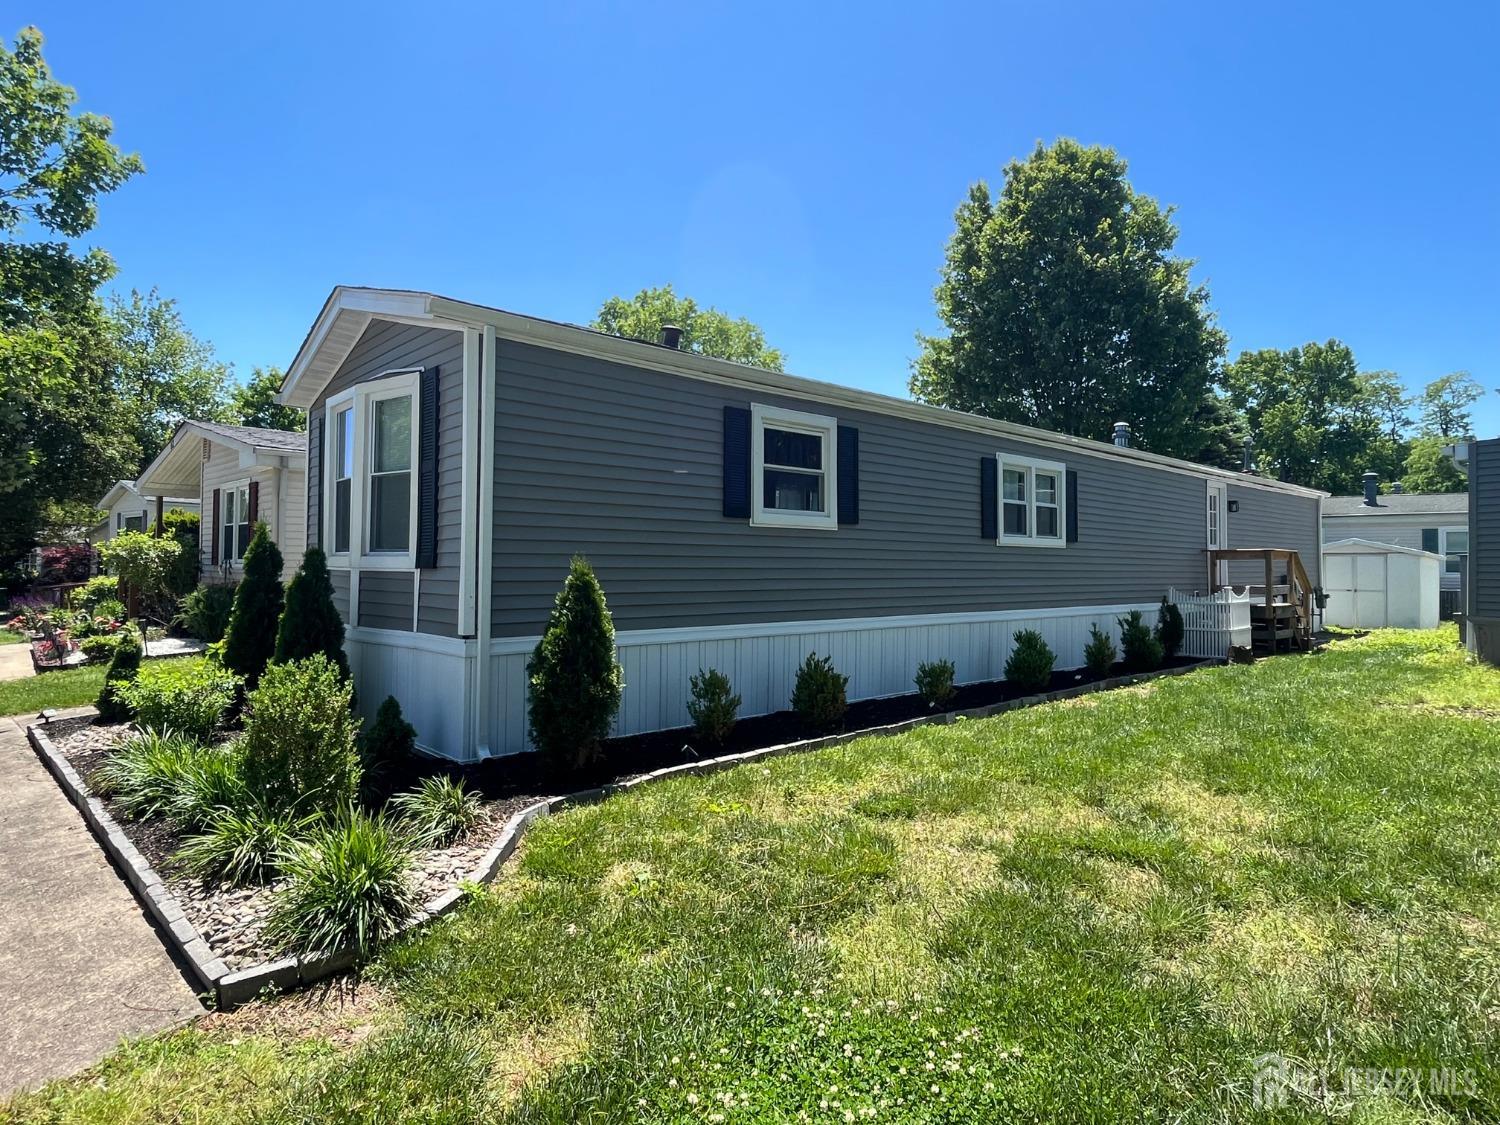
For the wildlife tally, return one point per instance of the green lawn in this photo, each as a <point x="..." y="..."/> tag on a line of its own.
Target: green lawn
<point x="67" y="687"/>
<point x="9" y="638"/>
<point x="1102" y="909"/>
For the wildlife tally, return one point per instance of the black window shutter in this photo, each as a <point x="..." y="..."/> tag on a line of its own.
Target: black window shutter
<point x="254" y="503"/>
<point x="213" y="539"/>
<point x="736" y="463"/>
<point x="848" y="463"/>
<point x="1430" y="539"/>
<point x="427" y="466"/>
<point x="1072" y="506"/>
<point x="315" y="484"/>
<point x="989" y="499"/>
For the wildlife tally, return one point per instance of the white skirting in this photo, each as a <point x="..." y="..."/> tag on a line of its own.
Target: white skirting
<point x="430" y="677"/>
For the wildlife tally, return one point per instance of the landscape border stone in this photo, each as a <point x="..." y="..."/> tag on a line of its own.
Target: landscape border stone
<point x="230" y="989"/>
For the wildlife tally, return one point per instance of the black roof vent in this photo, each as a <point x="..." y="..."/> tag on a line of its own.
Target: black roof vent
<point x="671" y="336"/>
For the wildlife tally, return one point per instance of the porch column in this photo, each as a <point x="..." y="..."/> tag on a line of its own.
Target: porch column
<point x="158" y="531"/>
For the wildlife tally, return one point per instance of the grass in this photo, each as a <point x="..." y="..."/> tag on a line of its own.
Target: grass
<point x="1101" y="909"/>
<point x="66" y="687"/>
<point x="9" y="638"/>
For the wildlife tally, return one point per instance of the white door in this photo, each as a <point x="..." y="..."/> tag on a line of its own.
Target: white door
<point x="1216" y="527"/>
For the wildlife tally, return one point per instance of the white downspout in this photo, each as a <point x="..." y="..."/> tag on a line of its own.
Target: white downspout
<point x="484" y="576"/>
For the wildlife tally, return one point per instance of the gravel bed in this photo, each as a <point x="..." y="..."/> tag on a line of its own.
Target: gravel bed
<point x="232" y="920"/>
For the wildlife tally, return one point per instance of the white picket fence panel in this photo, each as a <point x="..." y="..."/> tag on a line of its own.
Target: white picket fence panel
<point x="1213" y="623"/>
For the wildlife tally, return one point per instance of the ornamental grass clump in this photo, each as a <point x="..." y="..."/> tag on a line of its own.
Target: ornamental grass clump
<point x="145" y="774"/>
<point x="714" y="707"/>
<point x="188" y="695"/>
<point x="574" y="681"/>
<point x="1029" y="665"/>
<point x="437" y="811"/>
<point x="934" y="682"/>
<point x="350" y="886"/>
<point x="243" y="846"/>
<point x="818" y="696"/>
<point x="1099" y="654"/>
<point x="1140" y="650"/>
<point x="300" y="737"/>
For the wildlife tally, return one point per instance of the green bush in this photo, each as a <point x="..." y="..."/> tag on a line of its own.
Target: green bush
<point x="310" y="623"/>
<point x="713" y="707"/>
<point x="104" y="588"/>
<point x="205" y="612"/>
<point x="110" y="609"/>
<point x="209" y="784"/>
<point x="143" y="562"/>
<point x="574" y="682"/>
<point x="350" y="886"/>
<point x="1029" y="665"/>
<point x="384" y="745"/>
<point x="250" y="640"/>
<point x="100" y="648"/>
<point x="1169" y="629"/>
<point x="437" y="811"/>
<point x="145" y="773"/>
<point x="243" y="846"/>
<point x="300" y="737"/>
<point x="934" y="682"/>
<point x="1139" y="648"/>
<point x="182" y="528"/>
<point x="188" y="695"/>
<point x="124" y="666"/>
<point x="1099" y="654"/>
<point x="818" y="694"/>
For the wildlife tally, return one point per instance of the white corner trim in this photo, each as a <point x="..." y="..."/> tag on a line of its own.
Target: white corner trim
<point x="488" y="373"/>
<point x="468" y="560"/>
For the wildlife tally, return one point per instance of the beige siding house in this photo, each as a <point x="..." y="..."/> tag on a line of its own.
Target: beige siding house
<point x="127" y="508"/>
<point x="241" y="475"/>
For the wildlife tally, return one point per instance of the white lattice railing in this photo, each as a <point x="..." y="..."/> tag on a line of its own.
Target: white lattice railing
<point x="1213" y="623"/>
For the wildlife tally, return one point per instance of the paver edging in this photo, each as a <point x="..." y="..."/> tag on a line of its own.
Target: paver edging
<point x="233" y="988"/>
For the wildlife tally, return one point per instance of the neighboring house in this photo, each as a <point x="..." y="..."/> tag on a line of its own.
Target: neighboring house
<point x="1434" y="522"/>
<point x="127" y="508"/>
<point x="1482" y="609"/>
<point x="241" y="475"/>
<point x="737" y="518"/>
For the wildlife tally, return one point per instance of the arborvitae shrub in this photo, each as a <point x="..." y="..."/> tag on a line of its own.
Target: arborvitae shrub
<point x="1169" y="629"/>
<point x="310" y="623"/>
<point x="818" y="695"/>
<point x="123" y="668"/>
<point x="205" y="612"/>
<point x="250" y="641"/>
<point x="385" y="744"/>
<point x="300" y="737"/>
<point x="713" y="707"/>
<point x="1099" y="654"/>
<point x="934" y="682"/>
<point x="1140" y="650"/>
<point x="574" y="682"/>
<point x="1030" y="663"/>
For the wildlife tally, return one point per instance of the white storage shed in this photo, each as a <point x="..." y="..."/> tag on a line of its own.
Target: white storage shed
<point x="1373" y="585"/>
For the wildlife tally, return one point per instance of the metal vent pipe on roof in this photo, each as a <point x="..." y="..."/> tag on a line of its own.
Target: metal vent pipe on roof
<point x="1372" y="488"/>
<point x="1122" y="434"/>
<point x="671" y="336"/>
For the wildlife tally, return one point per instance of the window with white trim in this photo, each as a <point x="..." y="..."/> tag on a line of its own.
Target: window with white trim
<point x="1453" y="545"/>
<point x="1033" y="502"/>
<point x="370" y="492"/>
<point x="794" y="468"/>
<point x="234" y="521"/>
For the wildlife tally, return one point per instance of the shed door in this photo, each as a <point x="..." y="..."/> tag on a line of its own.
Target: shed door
<point x="1356" y="586"/>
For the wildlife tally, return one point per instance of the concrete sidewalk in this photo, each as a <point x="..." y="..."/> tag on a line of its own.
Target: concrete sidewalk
<point x="80" y="966"/>
<point x="15" y="662"/>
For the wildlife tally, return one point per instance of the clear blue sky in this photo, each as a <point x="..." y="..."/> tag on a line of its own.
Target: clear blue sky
<point x="1335" y="173"/>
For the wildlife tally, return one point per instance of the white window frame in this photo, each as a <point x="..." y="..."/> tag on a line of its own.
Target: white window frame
<point x="329" y="460"/>
<point x="1443" y="547"/>
<point x="405" y="382"/>
<point x="228" y="552"/>
<point x="821" y="426"/>
<point x="1031" y="466"/>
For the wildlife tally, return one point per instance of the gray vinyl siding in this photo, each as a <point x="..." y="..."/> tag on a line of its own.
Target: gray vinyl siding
<point x="385" y="599"/>
<point x="624" y="465"/>
<point x="341" y="592"/>
<point x="1484" y="529"/>
<point x="388" y="347"/>
<point x="1274" y="519"/>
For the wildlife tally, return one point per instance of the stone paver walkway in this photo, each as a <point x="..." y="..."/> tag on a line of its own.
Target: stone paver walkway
<point x="80" y="966"/>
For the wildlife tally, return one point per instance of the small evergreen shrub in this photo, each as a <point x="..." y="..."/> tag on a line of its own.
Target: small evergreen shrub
<point x="818" y="694"/>
<point x="1140" y="650"/>
<point x="250" y="640"/>
<point x="350" y="886"/>
<point x="300" y="737"/>
<point x="310" y="623"/>
<point x="384" y="746"/>
<point x="714" y="707"/>
<point x="1029" y="665"/>
<point x="186" y="695"/>
<point x="243" y="847"/>
<point x="124" y="666"/>
<point x="1169" y="629"/>
<point x="145" y="773"/>
<point x="934" y="682"/>
<point x="1099" y="654"/>
<point x="104" y="588"/>
<point x="437" y="811"/>
<point x="205" y="612"/>
<point x="100" y="648"/>
<point x="574" y="681"/>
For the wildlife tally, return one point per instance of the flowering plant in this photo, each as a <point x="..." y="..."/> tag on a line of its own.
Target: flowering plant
<point x="53" y="649"/>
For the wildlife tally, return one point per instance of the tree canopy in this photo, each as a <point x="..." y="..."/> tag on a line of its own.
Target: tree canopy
<point x="1429" y="469"/>
<point x="1448" y="406"/>
<point x="706" y="331"/>
<point x="1067" y="309"/>
<point x="253" y="403"/>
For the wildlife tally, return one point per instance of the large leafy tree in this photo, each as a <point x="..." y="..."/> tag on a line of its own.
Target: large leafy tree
<point x="1429" y="469"/>
<point x="1448" y="406"/>
<point x="1388" y="407"/>
<point x="1067" y="309"/>
<point x="57" y="450"/>
<point x="706" y="331"/>
<point x="1308" y="410"/>
<point x="253" y="403"/>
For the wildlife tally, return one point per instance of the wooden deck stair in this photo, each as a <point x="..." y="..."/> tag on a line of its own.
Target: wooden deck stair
<point x="1283" y="612"/>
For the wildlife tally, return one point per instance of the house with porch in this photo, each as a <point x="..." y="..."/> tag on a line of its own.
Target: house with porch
<point x="127" y="508"/>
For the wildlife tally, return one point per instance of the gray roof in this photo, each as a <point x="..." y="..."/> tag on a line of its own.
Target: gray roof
<point x="1400" y="504"/>
<point x="281" y="440"/>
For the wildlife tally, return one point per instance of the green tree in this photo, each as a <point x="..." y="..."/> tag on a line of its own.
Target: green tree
<point x="311" y="623"/>
<point x="704" y="331"/>
<point x="1067" y="309"/>
<point x="1307" y="411"/>
<point x="1429" y="469"/>
<point x="1217" y="434"/>
<point x="1448" y="406"/>
<point x="253" y="403"/>
<point x="250" y="641"/>
<point x="1389" y="408"/>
